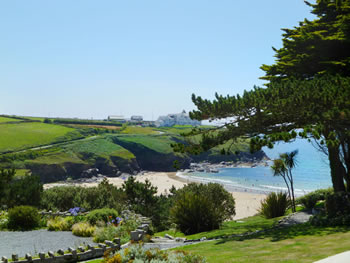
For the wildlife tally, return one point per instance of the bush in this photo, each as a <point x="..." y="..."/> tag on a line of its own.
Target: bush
<point x="309" y="201"/>
<point x="201" y="207"/>
<point x="3" y="220"/>
<point x="25" y="191"/>
<point x="105" y="215"/>
<point x="337" y="204"/>
<point x="63" y="198"/>
<point x="110" y="231"/>
<point x="274" y="205"/>
<point x="83" y="229"/>
<point x="60" y="224"/>
<point x="23" y="218"/>
<point x="138" y="254"/>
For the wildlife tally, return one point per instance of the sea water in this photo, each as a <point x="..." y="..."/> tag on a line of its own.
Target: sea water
<point x="311" y="172"/>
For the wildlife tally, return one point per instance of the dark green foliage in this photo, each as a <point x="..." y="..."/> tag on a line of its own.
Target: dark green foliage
<point x="25" y="191"/>
<point x="201" y="207"/>
<point x="23" y="218"/>
<point x="274" y="205"/>
<point x="315" y="47"/>
<point x="337" y="204"/>
<point x="66" y="197"/>
<point x="47" y="120"/>
<point x="103" y="214"/>
<point x="6" y="177"/>
<point x="337" y="210"/>
<point x="309" y="201"/>
<point x="141" y="197"/>
<point x="19" y="191"/>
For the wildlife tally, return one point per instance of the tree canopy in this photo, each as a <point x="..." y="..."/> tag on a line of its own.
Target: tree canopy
<point x="315" y="47"/>
<point x="308" y="94"/>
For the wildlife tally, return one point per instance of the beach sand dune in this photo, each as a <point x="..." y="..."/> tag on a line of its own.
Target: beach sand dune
<point x="247" y="204"/>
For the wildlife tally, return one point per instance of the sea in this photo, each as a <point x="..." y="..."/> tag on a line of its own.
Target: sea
<point x="311" y="172"/>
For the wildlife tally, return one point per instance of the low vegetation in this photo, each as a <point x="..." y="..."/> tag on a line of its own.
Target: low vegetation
<point x="201" y="207"/>
<point x="23" y="218"/>
<point x="274" y="205"/>
<point x="138" y="254"/>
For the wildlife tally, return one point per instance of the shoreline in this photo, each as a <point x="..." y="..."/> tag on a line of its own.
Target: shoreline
<point x="247" y="203"/>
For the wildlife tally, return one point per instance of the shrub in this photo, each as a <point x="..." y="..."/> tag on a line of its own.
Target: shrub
<point x="60" y="224"/>
<point x="274" y="205"/>
<point x="140" y="196"/>
<point x="83" y="229"/>
<point x="63" y="198"/>
<point x="309" y="201"/>
<point x="108" y="232"/>
<point x="3" y="220"/>
<point x="201" y="207"/>
<point x="103" y="214"/>
<point x="337" y="204"/>
<point x="23" y="217"/>
<point x="137" y="254"/>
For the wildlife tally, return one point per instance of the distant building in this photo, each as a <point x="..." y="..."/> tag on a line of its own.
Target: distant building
<point x="117" y="118"/>
<point x="176" y="119"/>
<point x="136" y="118"/>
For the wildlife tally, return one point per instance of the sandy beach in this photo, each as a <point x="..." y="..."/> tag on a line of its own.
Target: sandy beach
<point x="247" y="204"/>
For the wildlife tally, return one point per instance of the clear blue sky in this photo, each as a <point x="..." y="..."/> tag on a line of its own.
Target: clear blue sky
<point x="97" y="58"/>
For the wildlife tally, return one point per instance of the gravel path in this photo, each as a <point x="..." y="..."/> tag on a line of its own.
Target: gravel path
<point x="37" y="241"/>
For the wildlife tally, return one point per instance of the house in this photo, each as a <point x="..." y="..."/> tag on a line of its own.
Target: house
<point x="176" y="119"/>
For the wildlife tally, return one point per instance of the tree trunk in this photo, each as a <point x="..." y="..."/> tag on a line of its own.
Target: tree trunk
<point x="289" y="193"/>
<point x="337" y="169"/>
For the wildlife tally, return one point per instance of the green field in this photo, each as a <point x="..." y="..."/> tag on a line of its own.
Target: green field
<point x="139" y="130"/>
<point x="103" y="147"/>
<point x="6" y="119"/>
<point x="160" y="144"/>
<point x="25" y="135"/>
<point x="58" y="158"/>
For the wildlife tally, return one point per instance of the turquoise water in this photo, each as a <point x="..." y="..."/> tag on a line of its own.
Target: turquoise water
<point x="312" y="172"/>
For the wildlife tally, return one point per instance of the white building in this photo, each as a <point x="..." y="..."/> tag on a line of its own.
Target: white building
<point x="176" y="119"/>
<point x="136" y="118"/>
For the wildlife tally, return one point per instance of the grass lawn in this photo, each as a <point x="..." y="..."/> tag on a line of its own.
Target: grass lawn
<point x="302" y="243"/>
<point x="19" y="136"/>
<point x="249" y="224"/>
<point x="6" y="119"/>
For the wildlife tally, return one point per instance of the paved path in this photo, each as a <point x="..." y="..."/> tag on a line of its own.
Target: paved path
<point x="339" y="258"/>
<point x="37" y="241"/>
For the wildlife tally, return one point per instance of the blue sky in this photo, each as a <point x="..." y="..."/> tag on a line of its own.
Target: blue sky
<point x="91" y="59"/>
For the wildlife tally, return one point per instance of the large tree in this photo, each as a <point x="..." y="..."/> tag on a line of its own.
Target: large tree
<point x="315" y="47"/>
<point x="308" y="94"/>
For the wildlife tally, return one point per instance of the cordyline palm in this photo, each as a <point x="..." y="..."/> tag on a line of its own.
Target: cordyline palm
<point x="283" y="167"/>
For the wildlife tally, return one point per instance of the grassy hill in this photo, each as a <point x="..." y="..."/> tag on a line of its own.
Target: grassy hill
<point x="23" y="135"/>
<point x="58" y="151"/>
